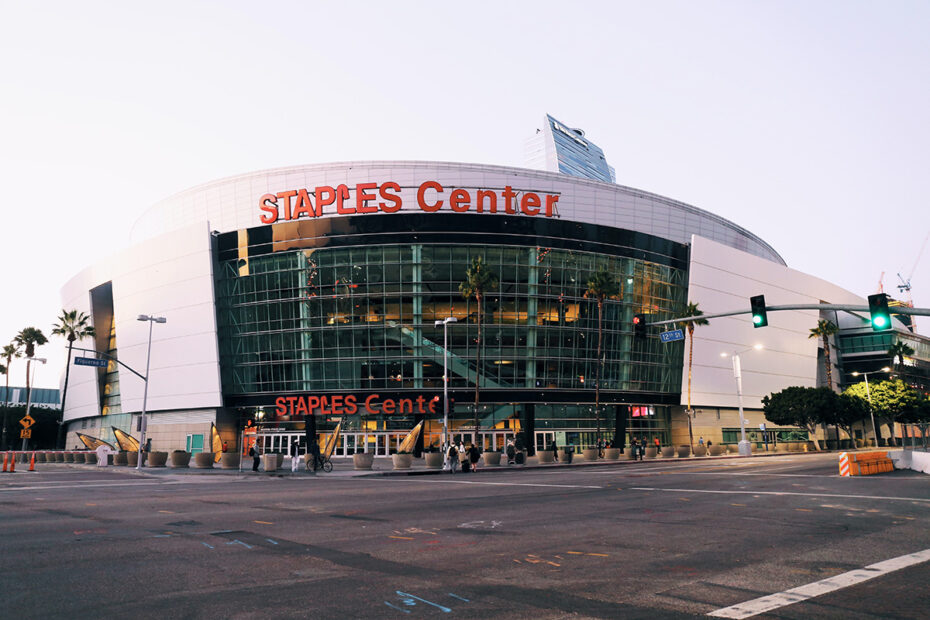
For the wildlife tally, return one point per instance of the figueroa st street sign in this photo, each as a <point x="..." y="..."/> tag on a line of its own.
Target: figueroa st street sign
<point x="386" y="198"/>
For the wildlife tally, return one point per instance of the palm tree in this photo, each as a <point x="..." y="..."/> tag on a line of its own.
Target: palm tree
<point x="824" y="330"/>
<point x="900" y="350"/>
<point x="30" y="338"/>
<point x="72" y="325"/>
<point x="601" y="286"/>
<point x="9" y="352"/>
<point x="694" y="313"/>
<point x="478" y="280"/>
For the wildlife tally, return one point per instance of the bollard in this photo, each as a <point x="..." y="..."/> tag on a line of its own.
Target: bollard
<point x="844" y="464"/>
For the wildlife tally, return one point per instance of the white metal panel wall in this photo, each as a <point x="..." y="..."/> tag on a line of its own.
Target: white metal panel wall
<point x="723" y="279"/>
<point x="171" y="276"/>
<point x="233" y="203"/>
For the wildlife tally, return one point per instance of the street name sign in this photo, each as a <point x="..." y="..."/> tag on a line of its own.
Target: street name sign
<point x="90" y="361"/>
<point x="672" y="336"/>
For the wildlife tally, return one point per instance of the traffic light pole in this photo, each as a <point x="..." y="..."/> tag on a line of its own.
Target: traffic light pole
<point x="852" y="309"/>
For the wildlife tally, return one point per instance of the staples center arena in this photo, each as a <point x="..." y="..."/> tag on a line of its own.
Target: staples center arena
<point x="316" y="290"/>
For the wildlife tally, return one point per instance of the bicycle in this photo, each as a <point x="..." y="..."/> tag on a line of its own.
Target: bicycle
<point x="320" y="462"/>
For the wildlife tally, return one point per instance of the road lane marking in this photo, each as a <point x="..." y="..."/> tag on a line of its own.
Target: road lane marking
<point x="264" y="522"/>
<point x="86" y="486"/>
<point x="765" y="604"/>
<point x="516" y="484"/>
<point x="791" y="493"/>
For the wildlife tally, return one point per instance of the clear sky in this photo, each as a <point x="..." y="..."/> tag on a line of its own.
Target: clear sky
<point x="806" y="122"/>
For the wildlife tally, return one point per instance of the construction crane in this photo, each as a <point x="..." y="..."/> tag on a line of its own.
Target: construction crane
<point x="905" y="286"/>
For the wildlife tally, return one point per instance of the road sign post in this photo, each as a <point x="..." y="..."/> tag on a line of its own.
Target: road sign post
<point x="672" y="336"/>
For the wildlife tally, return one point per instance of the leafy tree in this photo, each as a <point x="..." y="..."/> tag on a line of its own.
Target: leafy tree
<point x="10" y="351"/>
<point x="849" y="411"/>
<point x="800" y="406"/>
<point x="478" y="281"/>
<point x="30" y="338"/>
<point x="601" y="286"/>
<point x="891" y="399"/>
<point x="692" y="311"/>
<point x="72" y="325"/>
<point x="824" y="330"/>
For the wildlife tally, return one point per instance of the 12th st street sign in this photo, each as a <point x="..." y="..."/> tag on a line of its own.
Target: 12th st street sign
<point x="675" y="334"/>
<point x="90" y="361"/>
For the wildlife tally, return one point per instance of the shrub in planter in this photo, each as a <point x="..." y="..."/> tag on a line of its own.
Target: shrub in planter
<point x="402" y="460"/>
<point x="363" y="460"/>
<point x="203" y="460"/>
<point x="717" y="449"/>
<point x="156" y="459"/>
<point x="433" y="460"/>
<point x="230" y="460"/>
<point x="180" y="458"/>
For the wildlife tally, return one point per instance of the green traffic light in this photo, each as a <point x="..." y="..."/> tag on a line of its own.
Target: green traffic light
<point x="756" y="319"/>
<point x="879" y="321"/>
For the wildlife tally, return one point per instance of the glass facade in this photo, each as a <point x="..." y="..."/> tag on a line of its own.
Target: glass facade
<point x="577" y="156"/>
<point x="349" y="306"/>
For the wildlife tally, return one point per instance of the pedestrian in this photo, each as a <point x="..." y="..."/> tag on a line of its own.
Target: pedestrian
<point x="511" y="452"/>
<point x="701" y="440"/>
<point x="295" y="461"/>
<point x="641" y="452"/>
<point x="474" y="454"/>
<point x="634" y="447"/>
<point x="256" y="456"/>
<point x="555" y="450"/>
<point x="148" y="445"/>
<point x="658" y="446"/>
<point x="452" y="457"/>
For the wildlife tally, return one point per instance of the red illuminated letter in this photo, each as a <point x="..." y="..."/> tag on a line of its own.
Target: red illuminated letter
<point x="303" y="205"/>
<point x="482" y="194"/>
<point x="286" y="197"/>
<point x="550" y="204"/>
<point x="509" y="207"/>
<point x="342" y="194"/>
<point x="390" y="197"/>
<point x="459" y="200"/>
<point x="269" y="204"/>
<point x="530" y="204"/>
<point x="362" y="197"/>
<point x="325" y="195"/>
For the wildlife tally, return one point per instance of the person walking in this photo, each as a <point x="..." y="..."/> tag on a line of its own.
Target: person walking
<point x="511" y="452"/>
<point x="452" y="456"/>
<point x="474" y="455"/>
<point x="555" y="451"/>
<point x="255" y="453"/>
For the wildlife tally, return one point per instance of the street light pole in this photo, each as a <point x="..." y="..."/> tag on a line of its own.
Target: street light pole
<point x="32" y="383"/>
<point x="868" y="394"/>
<point x="744" y="447"/>
<point x="445" y="377"/>
<point x="145" y="393"/>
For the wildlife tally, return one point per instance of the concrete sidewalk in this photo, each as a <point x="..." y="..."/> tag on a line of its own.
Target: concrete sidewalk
<point x="384" y="466"/>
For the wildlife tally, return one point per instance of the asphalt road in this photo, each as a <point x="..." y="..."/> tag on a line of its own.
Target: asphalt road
<point x="630" y="540"/>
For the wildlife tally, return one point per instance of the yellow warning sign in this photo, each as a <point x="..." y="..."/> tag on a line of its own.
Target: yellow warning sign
<point x="27" y="421"/>
<point x="26" y="433"/>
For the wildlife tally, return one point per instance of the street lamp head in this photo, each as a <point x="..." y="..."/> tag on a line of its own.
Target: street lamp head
<point x="36" y="359"/>
<point x="855" y="373"/>
<point x="154" y="319"/>
<point x="757" y="347"/>
<point x="886" y="369"/>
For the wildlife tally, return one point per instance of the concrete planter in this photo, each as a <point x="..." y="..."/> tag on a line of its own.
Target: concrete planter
<point x="717" y="449"/>
<point x="565" y="456"/>
<point x="203" y="460"/>
<point x="700" y="450"/>
<point x="652" y="452"/>
<point x="589" y="454"/>
<point x="493" y="458"/>
<point x="402" y="461"/>
<point x="156" y="459"/>
<point x="132" y="458"/>
<point x="545" y="457"/>
<point x="40" y="457"/>
<point x="180" y="459"/>
<point x="270" y="461"/>
<point x="628" y="454"/>
<point x="612" y="454"/>
<point x="230" y="460"/>
<point x="121" y="458"/>
<point x="363" y="460"/>
<point x="684" y="452"/>
<point x="668" y="452"/>
<point x="433" y="460"/>
<point x="69" y="457"/>
<point x="90" y="458"/>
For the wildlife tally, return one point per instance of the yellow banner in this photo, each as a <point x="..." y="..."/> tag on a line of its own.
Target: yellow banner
<point x="217" y="443"/>
<point x="411" y="439"/>
<point x="126" y="441"/>
<point x="93" y="443"/>
<point x="331" y="442"/>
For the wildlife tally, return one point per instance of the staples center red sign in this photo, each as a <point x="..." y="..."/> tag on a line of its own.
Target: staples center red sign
<point x="385" y="198"/>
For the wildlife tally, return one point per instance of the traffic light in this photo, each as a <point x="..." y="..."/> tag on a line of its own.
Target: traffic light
<point x="878" y="307"/>
<point x="639" y="326"/>
<point x="759" y="318"/>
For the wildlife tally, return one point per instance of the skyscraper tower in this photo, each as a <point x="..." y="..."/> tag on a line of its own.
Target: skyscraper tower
<point x="559" y="148"/>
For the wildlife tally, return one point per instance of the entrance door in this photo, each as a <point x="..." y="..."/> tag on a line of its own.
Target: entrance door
<point x="544" y="439"/>
<point x="195" y="443"/>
